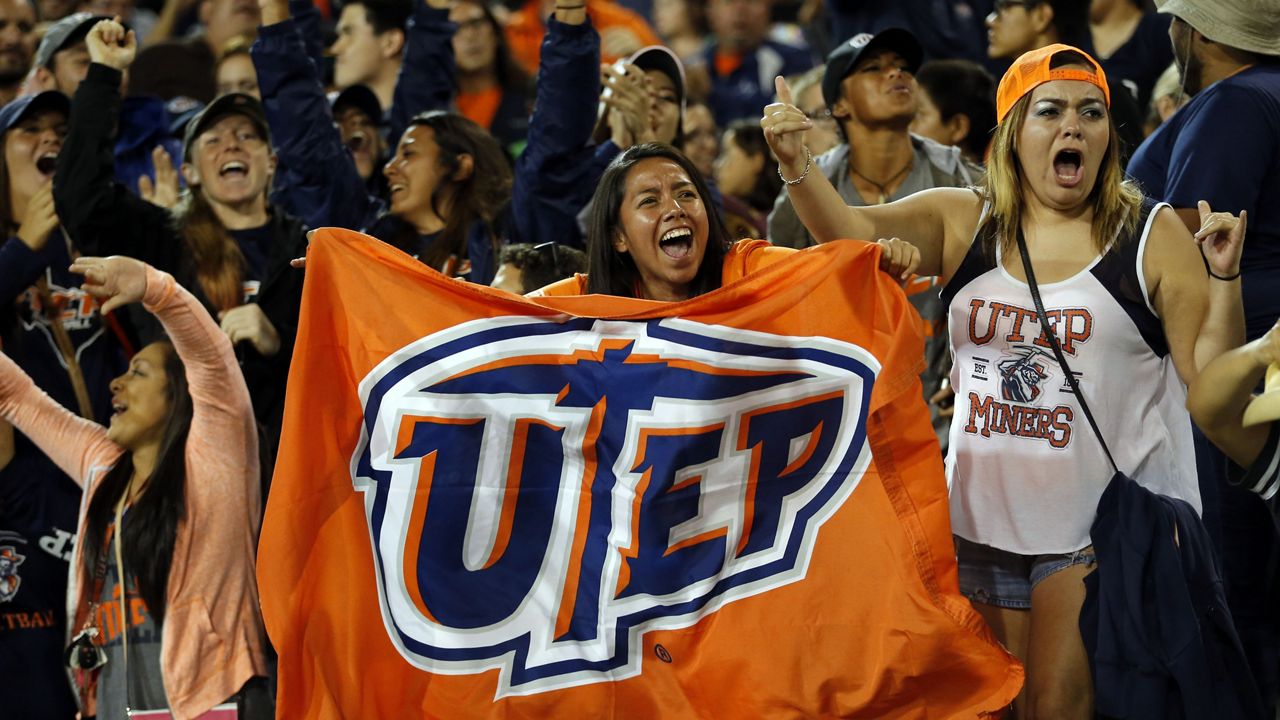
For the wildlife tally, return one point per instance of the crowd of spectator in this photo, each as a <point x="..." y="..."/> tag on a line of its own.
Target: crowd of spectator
<point x="499" y="142"/>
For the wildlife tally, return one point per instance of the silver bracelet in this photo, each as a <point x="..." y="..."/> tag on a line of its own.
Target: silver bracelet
<point x="808" y="163"/>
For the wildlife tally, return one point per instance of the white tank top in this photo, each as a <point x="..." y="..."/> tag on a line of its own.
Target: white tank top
<point x="1025" y="469"/>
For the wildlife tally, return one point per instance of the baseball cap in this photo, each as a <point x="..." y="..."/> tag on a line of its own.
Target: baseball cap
<point x="1034" y="68"/>
<point x="223" y="105"/>
<point x="362" y="98"/>
<point x="21" y="107"/>
<point x="841" y="60"/>
<point x="67" y="31"/>
<point x="657" y="57"/>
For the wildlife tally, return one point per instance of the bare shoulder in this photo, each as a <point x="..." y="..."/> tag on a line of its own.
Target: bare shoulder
<point x="1171" y="261"/>
<point x="961" y="210"/>
<point x="1169" y="241"/>
<point x="1168" y="227"/>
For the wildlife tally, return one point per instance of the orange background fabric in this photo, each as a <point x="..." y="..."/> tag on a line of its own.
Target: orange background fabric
<point x="525" y="30"/>
<point x="876" y="627"/>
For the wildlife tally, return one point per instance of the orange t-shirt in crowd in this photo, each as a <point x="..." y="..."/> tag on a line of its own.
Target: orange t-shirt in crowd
<point x="480" y="107"/>
<point x="727" y="62"/>
<point x="525" y="29"/>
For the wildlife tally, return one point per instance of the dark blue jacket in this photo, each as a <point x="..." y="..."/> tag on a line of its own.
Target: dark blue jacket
<point x="144" y="124"/>
<point x="744" y="92"/>
<point x="557" y="172"/>
<point x="324" y="188"/>
<point x="1155" y="622"/>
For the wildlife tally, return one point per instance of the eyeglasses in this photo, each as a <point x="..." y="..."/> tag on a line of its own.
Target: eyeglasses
<point x="548" y="250"/>
<point x="822" y="115"/>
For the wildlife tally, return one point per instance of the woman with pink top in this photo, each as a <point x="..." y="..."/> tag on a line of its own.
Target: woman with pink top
<point x="171" y="494"/>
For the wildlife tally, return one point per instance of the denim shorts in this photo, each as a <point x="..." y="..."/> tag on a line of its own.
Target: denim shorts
<point x="1004" y="579"/>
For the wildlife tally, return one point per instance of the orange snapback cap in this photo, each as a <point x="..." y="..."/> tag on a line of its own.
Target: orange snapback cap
<point x="1033" y="68"/>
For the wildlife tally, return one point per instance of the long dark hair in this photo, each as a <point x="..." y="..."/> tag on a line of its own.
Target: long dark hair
<point x="149" y="535"/>
<point x="749" y="137"/>
<point x="479" y="197"/>
<point x="610" y="272"/>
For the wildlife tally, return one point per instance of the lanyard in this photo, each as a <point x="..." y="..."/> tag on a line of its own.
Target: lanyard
<point x="124" y="598"/>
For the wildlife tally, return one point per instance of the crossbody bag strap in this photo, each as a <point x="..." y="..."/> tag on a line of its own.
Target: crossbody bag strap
<point x="1048" y="329"/>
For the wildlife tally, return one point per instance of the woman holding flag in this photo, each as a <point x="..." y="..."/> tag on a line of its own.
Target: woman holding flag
<point x="652" y="236"/>
<point x="1141" y="318"/>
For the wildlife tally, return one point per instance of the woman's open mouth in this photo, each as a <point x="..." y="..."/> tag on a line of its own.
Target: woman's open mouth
<point x="677" y="243"/>
<point x="47" y="163"/>
<point x="1068" y="167"/>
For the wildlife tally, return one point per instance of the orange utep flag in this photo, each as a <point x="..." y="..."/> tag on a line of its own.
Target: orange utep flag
<point x="731" y="507"/>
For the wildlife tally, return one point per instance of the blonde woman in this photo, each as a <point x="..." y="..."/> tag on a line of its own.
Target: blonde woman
<point x="1131" y="305"/>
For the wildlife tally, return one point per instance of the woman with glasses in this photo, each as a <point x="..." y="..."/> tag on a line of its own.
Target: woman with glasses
<point x="163" y="597"/>
<point x="1135" y="310"/>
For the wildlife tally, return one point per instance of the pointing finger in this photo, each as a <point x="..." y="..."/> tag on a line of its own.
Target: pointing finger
<point x="784" y="90"/>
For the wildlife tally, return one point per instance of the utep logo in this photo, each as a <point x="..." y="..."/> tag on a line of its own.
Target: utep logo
<point x="9" y="578"/>
<point x="1020" y="376"/>
<point x="541" y="494"/>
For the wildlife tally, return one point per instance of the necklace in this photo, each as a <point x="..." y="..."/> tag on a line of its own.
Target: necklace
<point x="884" y="195"/>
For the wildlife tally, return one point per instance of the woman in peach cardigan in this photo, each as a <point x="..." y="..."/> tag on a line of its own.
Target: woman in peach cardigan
<point x="177" y="469"/>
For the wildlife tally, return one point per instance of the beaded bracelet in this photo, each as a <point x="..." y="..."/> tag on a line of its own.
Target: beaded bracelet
<point x="808" y="163"/>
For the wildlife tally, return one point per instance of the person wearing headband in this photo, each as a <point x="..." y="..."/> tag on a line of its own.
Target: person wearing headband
<point x="1133" y="302"/>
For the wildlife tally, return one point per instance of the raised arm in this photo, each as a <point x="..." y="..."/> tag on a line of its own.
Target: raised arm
<point x="1202" y="314"/>
<point x="213" y="376"/>
<point x="551" y="174"/>
<point x="321" y="184"/>
<point x="428" y="78"/>
<point x="929" y="220"/>
<point x="75" y="445"/>
<point x="100" y="215"/>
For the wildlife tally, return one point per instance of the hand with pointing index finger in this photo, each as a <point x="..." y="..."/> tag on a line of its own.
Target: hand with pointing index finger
<point x="784" y="127"/>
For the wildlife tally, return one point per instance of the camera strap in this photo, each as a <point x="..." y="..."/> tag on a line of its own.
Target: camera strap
<point x="124" y="598"/>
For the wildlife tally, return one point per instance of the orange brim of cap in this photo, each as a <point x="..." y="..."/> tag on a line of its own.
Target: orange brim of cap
<point x="1033" y="69"/>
